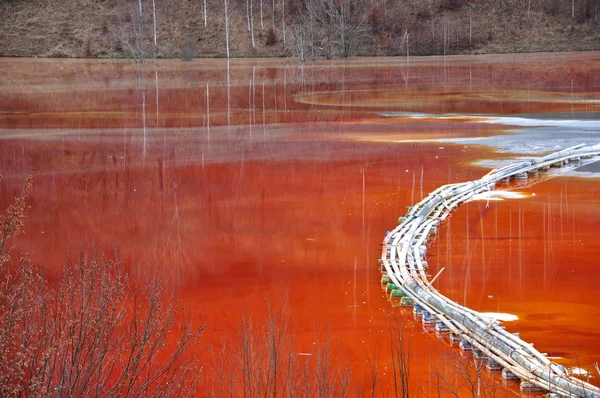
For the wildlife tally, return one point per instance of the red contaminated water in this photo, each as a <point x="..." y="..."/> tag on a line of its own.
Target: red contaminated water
<point x="244" y="182"/>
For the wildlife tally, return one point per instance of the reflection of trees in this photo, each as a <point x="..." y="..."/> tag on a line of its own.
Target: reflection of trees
<point x="144" y="132"/>
<point x="461" y="376"/>
<point x="266" y="360"/>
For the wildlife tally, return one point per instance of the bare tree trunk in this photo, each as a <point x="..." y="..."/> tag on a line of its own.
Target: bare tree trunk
<point x="385" y="12"/>
<point x="140" y="33"/>
<point x="248" y="14"/>
<point x="445" y="32"/>
<point x="433" y="35"/>
<point x="154" y="19"/>
<point x="273" y="15"/>
<point x="252" y="24"/>
<point x="471" y="30"/>
<point x="283" y="19"/>
<point x="204" y="13"/>
<point x="226" y="6"/>
<point x="572" y="9"/>
<point x="262" y="25"/>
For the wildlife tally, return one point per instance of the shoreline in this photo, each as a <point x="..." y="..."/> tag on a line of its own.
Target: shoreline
<point x="290" y="57"/>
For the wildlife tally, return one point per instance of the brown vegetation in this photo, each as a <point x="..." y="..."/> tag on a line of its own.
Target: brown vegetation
<point x="93" y="332"/>
<point x="303" y="28"/>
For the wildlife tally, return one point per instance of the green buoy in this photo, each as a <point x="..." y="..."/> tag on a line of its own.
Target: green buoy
<point x="406" y="301"/>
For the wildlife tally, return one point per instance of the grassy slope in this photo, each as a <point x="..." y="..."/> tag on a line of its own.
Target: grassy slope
<point x="88" y="28"/>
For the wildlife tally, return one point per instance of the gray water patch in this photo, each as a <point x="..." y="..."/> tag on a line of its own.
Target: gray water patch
<point x="543" y="136"/>
<point x="533" y="135"/>
<point x="593" y="167"/>
<point x="540" y="135"/>
<point x="588" y="168"/>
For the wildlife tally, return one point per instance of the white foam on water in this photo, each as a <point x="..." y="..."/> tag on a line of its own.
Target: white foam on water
<point x="418" y="115"/>
<point x="497" y="196"/>
<point x="587" y="125"/>
<point x="501" y="316"/>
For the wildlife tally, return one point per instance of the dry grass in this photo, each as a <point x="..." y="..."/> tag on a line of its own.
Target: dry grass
<point x="88" y="28"/>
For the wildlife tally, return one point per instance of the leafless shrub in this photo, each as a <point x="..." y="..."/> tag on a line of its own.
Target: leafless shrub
<point x="93" y="333"/>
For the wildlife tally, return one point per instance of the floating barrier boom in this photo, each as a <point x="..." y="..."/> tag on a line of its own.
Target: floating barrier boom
<point x="403" y="265"/>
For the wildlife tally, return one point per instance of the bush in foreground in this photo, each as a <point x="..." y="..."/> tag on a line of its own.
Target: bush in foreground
<point x="94" y="332"/>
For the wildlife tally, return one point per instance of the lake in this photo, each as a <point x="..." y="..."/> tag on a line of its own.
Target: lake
<point x="251" y="183"/>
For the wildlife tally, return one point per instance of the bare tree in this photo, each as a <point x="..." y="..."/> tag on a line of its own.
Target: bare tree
<point x="262" y="25"/>
<point x="252" y="24"/>
<point x="330" y="28"/>
<point x="138" y="27"/>
<point x="227" y="9"/>
<point x="306" y="29"/>
<point x="299" y="43"/>
<point x="248" y="14"/>
<point x="283" y="19"/>
<point x="471" y="27"/>
<point x="154" y="20"/>
<point x="131" y="35"/>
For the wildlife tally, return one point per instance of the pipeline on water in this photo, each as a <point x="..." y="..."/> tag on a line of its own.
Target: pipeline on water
<point x="403" y="268"/>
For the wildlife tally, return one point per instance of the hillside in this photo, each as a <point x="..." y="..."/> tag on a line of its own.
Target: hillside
<point x="302" y="28"/>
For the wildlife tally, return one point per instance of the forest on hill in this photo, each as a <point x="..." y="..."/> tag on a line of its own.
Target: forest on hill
<point x="297" y="28"/>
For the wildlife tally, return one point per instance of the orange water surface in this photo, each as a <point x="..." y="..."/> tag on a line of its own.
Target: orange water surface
<point x="245" y="181"/>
